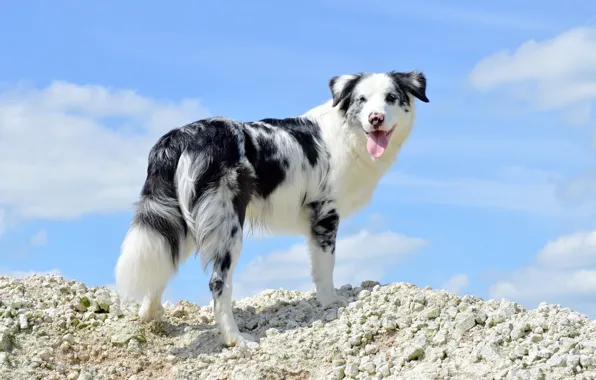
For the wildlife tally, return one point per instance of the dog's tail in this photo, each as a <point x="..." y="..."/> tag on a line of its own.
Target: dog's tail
<point x="156" y="238"/>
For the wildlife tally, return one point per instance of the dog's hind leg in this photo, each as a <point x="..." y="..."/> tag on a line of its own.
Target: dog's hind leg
<point x="324" y="222"/>
<point x="220" y="285"/>
<point x="151" y="307"/>
<point x="219" y="215"/>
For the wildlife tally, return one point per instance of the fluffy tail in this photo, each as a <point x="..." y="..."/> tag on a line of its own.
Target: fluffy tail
<point x="156" y="238"/>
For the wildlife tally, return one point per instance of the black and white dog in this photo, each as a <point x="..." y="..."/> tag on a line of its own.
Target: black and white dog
<point x="298" y="175"/>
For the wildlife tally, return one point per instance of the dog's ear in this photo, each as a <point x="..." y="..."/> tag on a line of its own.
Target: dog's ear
<point x="413" y="82"/>
<point x="341" y="87"/>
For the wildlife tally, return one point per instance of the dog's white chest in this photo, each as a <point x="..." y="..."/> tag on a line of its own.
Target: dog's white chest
<point x="355" y="186"/>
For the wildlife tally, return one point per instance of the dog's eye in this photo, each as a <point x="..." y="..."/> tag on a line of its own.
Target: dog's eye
<point x="362" y="99"/>
<point x="390" y="98"/>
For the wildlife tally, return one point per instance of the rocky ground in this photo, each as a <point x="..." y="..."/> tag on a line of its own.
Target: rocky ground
<point x="51" y="328"/>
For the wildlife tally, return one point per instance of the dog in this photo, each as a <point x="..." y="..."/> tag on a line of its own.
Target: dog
<point x="300" y="175"/>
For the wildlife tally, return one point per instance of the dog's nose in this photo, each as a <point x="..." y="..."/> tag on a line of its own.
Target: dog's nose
<point x="376" y="119"/>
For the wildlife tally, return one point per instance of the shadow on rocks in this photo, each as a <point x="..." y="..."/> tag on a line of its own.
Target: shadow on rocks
<point x="275" y="314"/>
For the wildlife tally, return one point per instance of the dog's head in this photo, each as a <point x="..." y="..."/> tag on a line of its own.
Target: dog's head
<point x="378" y="103"/>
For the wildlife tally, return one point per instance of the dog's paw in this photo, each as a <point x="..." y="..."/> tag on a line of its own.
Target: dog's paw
<point x="148" y="313"/>
<point x="241" y="340"/>
<point x="328" y="298"/>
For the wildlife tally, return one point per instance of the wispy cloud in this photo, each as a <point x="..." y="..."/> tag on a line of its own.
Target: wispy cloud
<point x="2" y="221"/>
<point x="456" y="283"/>
<point x="25" y="248"/>
<point x="38" y="239"/>
<point x="449" y="13"/>
<point x="515" y="189"/>
<point x="498" y="148"/>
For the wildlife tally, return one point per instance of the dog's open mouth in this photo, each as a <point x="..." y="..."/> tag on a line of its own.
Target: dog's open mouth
<point x="378" y="141"/>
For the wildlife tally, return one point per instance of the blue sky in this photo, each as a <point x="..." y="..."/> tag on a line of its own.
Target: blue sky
<point x="493" y="194"/>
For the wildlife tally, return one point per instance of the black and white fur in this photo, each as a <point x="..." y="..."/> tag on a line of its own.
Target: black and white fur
<point x="299" y="175"/>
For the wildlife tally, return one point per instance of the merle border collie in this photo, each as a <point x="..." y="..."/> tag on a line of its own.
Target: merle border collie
<point x="298" y="175"/>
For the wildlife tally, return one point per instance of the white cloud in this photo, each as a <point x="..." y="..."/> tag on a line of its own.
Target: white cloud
<point x="572" y="251"/>
<point x="20" y="274"/>
<point x="361" y="256"/>
<point x="38" y="239"/>
<point x="71" y="149"/>
<point x="549" y="74"/>
<point x="456" y="283"/>
<point x="563" y="272"/>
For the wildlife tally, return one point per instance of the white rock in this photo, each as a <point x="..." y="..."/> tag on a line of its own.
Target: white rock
<point x="6" y="340"/>
<point x="433" y="312"/>
<point x="556" y="361"/>
<point x="85" y="376"/>
<point x="69" y="338"/>
<point x="23" y="323"/>
<point x="490" y="351"/>
<point x="351" y="370"/>
<point x="465" y="321"/>
<point x="413" y="353"/>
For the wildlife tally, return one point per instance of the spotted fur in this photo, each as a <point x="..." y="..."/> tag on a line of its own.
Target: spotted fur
<point x="208" y="180"/>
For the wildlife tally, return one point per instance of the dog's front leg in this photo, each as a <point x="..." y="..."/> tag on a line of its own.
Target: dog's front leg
<point x="324" y="222"/>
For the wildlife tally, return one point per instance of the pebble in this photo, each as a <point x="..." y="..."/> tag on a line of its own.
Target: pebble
<point x="6" y="340"/>
<point x="465" y="321"/>
<point x="351" y="370"/>
<point x="414" y="353"/>
<point x="23" y="323"/>
<point x="433" y="312"/>
<point x="85" y="376"/>
<point x="556" y="361"/>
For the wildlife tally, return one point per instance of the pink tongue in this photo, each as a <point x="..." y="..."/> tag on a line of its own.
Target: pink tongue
<point x="377" y="142"/>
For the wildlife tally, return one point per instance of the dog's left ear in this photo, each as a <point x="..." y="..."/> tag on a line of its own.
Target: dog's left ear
<point x="414" y="82"/>
<point x="341" y="87"/>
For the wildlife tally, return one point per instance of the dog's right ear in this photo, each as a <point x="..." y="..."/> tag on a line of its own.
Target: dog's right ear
<point x="342" y="86"/>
